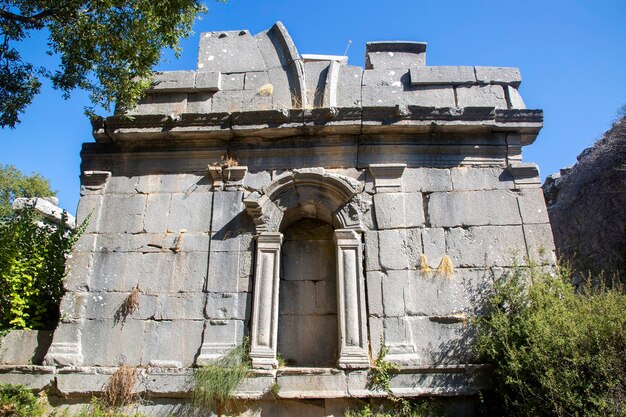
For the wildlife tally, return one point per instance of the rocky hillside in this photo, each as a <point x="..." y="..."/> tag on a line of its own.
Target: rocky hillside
<point x="587" y="206"/>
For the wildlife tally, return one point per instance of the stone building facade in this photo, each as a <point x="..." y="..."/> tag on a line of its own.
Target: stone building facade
<point x="307" y="204"/>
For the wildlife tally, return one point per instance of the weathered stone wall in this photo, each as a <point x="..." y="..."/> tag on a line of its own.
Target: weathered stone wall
<point x="587" y="207"/>
<point x="313" y="244"/>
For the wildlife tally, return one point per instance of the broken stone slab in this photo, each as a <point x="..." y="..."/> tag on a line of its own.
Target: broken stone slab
<point x="394" y="54"/>
<point x="218" y="50"/>
<point x="172" y="82"/>
<point x="47" y="209"/>
<point x="481" y="96"/>
<point x="498" y="75"/>
<point x="426" y="75"/>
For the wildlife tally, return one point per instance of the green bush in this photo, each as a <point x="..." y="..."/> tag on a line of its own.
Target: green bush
<point x="556" y="351"/>
<point x="32" y="268"/>
<point x="17" y="401"/>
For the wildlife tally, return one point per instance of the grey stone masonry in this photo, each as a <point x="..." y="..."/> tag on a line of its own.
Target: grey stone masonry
<point x="313" y="208"/>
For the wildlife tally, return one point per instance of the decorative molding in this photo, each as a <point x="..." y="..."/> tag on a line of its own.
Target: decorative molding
<point x="387" y="177"/>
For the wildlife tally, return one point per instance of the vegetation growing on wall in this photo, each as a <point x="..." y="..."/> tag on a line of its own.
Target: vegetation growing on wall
<point x="17" y="401"/>
<point x="556" y="351"/>
<point x="214" y="383"/>
<point x="32" y="268"/>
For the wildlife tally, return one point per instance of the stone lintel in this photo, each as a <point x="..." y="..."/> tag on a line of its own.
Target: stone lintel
<point x="387" y="177"/>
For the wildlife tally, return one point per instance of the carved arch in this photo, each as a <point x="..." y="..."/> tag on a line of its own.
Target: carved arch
<point x="332" y="198"/>
<point x="311" y="193"/>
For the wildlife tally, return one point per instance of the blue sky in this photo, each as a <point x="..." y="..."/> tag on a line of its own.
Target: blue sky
<point x="572" y="56"/>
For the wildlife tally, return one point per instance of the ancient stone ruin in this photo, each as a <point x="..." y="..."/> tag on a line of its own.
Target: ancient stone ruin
<point x="315" y="207"/>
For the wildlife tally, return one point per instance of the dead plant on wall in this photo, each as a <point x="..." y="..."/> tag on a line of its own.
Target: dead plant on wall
<point x="119" y="391"/>
<point x="128" y="306"/>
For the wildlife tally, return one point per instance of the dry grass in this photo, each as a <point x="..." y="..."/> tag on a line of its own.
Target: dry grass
<point x="128" y="306"/>
<point x="119" y="391"/>
<point x="445" y="267"/>
<point x="266" y="90"/>
<point x="424" y="268"/>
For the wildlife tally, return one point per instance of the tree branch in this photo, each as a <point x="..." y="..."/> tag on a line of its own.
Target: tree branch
<point x="34" y="19"/>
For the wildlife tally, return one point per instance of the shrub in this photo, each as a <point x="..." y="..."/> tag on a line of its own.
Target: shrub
<point x="555" y="351"/>
<point x="214" y="383"/>
<point x="32" y="268"/>
<point x="17" y="401"/>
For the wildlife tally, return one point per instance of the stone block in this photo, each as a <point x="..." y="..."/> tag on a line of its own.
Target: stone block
<point x="110" y="271"/>
<point x="392" y="87"/>
<point x="220" y="336"/>
<point x="110" y="305"/>
<point x="485" y="246"/>
<point x="308" y="260"/>
<point x="515" y="99"/>
<point x="374" y="281"/>
<point x="217" y="50"/>
<point x="200" y="103"/>
<point x="208" y="81"/>
<point x="122" y="184"/>
<point x="434" y="242"/>
<point x="73" y="305"/>
<point x="532" y="206"/>
<point x="426" y="179"/>
<point x="33" y="377"/>
<point x="393" y="288"/>
<point x="177" y="340"/>
<point x="89" y="205"/>
<point x="376" y="330"/>
<point x="326" y="384"/>
<point x="414" y="247"/>
<point x="539" y="242"/>
<point x="157" y="210"/>
<point x="122" y="213"/>
<point x="395" y="54"/>
<point x="349" y="86"/>
<point x="79" y="271"/>
<point x="21" y="347"/>
<point x="241" y="100"/>
<point x="471" y="179"/>
<point x="170" y="382"/>
<point x="233" y="81"/>
<point x="164" y="103"/>
<point x="223" y="272"/>
<point x="189" y="272"/>
<point x="181" y="306"/>
<point x="440" y="343"/>
<point x="173" y="81"/>
<point x="325" y="297"/>
<point x="190" y="212"/>
<point x="82" y="381"/>
<point x="308" y="340"/>
<point x="221" y="306"/>
<point x="392" y="249"/>
<point x="255" y="80"/>
<point x="232" y="241"/>
<point x="256" y="180"/>
<point x="498" y="75"/>
<point x="227" y="206"/>
<point x="481" y="96"/>
<point x="443" y="383"/>
<point x="172" y="183"/>
<point x="476" y="208"/>
<point x="127" y="349"/>
<point x="395" y="210"/>
<point x="425" y="75"/>
<point x="435" y="294"/>
<point x="297" y="297"/>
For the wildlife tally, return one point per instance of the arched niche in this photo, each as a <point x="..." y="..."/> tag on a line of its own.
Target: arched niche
<point x="329" y="198"/>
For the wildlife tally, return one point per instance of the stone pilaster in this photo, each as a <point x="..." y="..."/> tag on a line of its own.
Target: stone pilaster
<point x="265" y="301"/>
<point x="353" y="351"/>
